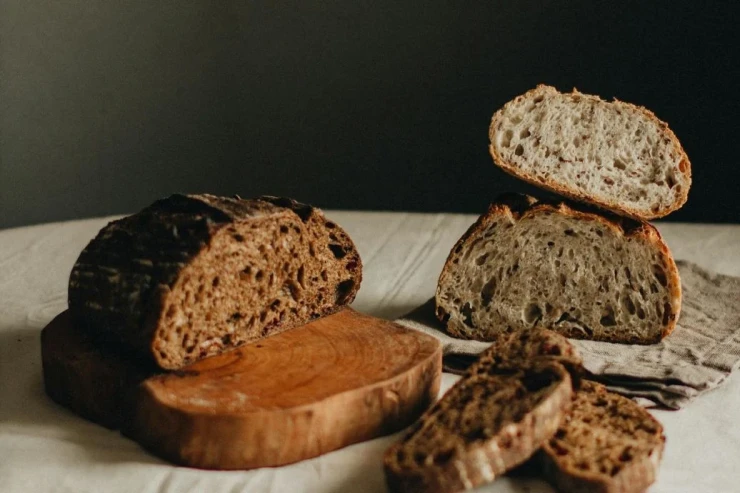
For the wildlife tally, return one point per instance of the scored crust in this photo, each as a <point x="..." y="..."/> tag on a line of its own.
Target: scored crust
<point x="515" y="207"/>
<point x="607" y="444"/>
<point x="573" y="192"/>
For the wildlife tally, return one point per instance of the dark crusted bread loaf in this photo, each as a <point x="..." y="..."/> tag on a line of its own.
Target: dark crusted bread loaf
<point x="614" y="155"/>
<point x="527" y="263"/>
<point x="194" y="275"/>
<point x="495" y="417"/>
<point x="607" y="444"/>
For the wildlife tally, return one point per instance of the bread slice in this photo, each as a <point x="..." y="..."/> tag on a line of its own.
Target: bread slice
<point x="614" y="155"/>
<point x="193" y="275"/>
<point x="495" y="417"/>
<point x="607" y="444"/>
<point x="524" y="348"/>
<point x="527" y="263"/>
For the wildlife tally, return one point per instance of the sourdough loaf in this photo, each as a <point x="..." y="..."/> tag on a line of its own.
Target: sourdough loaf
<point x="193" y="275"/>
<point x="607" y="444"/>
<point x="495" y="417"/>
<point x="614" y="155"/>
<point x="527" y="263"/>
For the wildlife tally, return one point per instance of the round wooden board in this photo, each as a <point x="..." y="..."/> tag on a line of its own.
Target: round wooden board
<point x="339" y="380"/>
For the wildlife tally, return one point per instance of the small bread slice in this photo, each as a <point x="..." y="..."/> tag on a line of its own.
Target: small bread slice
<point x="192" y="276"/>
<point x="496" y="416"/>
<point x="527" y="263"/>
<point x="615" y="155"/>
<point x="607" y="444"/>
<point x="524" y="348"/>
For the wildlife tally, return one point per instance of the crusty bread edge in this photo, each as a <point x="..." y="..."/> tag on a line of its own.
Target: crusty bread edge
<point x="516" y="206"/>
<point x="574" y="193"/>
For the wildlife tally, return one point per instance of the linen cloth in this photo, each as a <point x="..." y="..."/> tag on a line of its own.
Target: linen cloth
<point x="696" y="357"/>
<point x="44" y="447"/>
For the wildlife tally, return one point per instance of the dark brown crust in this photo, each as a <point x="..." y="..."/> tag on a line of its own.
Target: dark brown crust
<point x="572" y="192"/>
<point x="636" y="475"/>
<point x="484" y="461"/>
<point x="119" y="285"/>
<point x="517" y="206"/>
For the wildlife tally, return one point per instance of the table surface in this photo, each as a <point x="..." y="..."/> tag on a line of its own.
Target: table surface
<point x="43" y="447"/>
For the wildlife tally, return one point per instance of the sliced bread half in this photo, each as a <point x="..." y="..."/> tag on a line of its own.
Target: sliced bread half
<point x="614" y="155"/>
<point x="607" y="444"/>
<point x="193" y="275"/>
<point x="527" y="263"/>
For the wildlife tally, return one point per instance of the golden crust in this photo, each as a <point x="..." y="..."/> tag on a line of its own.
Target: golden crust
<point x="518" y="206"/>
<point x="573" y="192"/>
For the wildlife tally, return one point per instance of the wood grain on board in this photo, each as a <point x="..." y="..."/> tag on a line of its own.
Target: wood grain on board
<point x="339" y="380"/>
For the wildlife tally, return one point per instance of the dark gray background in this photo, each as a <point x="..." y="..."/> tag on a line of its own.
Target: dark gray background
<point x="106" y="106"/>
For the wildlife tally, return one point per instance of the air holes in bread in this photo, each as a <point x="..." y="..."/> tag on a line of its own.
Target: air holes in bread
<point x="337" y="251"/>
<point x="607" y="320"/>
<point x="506" y="141"/>
<point x="532" y="313"/>
<point x="537" y="381"/>
<point x="519" y="150"/>
<point x="487" y="292"/>
<point x="659" y="274"/>
<point x="467" y="313"/>
<point x="344" y="288"/>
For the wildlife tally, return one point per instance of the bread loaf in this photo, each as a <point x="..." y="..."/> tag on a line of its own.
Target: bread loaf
<point x="607" y="444"/>
<point x="614" y="155"/>
<point x="527" y="263"/>
<point x="194" y="275"/>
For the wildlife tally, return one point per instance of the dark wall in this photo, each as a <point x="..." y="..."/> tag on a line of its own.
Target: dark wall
<point x="359" y="105"/>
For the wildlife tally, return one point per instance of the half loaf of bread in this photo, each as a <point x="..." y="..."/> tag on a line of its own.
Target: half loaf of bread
<point x="614" y="155"/>
<point x="194" y="275"/>
<point x="527" y="263"/>
<point x="607" y="444"/>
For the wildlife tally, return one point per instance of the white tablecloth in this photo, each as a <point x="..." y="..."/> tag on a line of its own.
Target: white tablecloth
<point x="43" y="447"/>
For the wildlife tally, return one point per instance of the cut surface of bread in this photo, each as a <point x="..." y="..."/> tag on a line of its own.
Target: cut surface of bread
<point x="528" y="263"/>
<point x="607" y="444"/>
<point x="338" y="380"/>
<point x="611" y="154"/>
<point x="193" y="275"/>
<point x="490" y="421"/>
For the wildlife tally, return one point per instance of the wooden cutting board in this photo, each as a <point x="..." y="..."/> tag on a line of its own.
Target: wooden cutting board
<point x="339" y="380"/>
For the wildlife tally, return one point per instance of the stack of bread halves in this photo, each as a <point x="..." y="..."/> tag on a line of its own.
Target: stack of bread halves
<point x="531" y="272"/>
